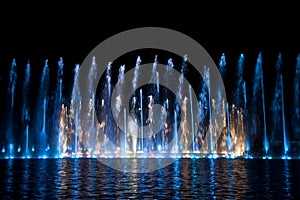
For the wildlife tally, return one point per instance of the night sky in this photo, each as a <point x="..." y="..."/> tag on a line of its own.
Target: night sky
<point x="34" y="34"/>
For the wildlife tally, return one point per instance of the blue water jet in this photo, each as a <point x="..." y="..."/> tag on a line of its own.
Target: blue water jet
<point x="9" y="125"/>
<point x="39" y="141"/>
<point x="26" y="107"/>
<point x="296" y="101"/>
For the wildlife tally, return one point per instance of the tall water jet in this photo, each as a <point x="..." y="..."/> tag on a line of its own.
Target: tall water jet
<point x="221" y="111"/>
<point x="169" y="79"/>
<point x="192" y="119"/>
<point x="133" y="127"/>
<point x="285" y="139"/>
<point x="56" y="104"/>
<point x="182" y="73"/>
<point x="92" y="83"/>
<point x="211" y="142"/>
<point x="133" y="120"/>
<point x="26" y="108"/>
<point x="62" y="140"/>
<point x="277" y="129"/>
<point x="258" y="112"/>
<point x="108" y="121"/>
<point x="125" y="130"/>
<point x="43" y="135"/>
<point x="12" y="83"/>
<point x="237" y="94"/>
<point x="9" y="137"/>
<point x="119" y="105"/>
<point x="228" y="140"/>
<point x="40" y="118"/>
<point x="209" y="136"/>
<point x="296" y="111"/>
<point x="184" y="132"/>
<point x="154" y="80"/>
<point x="176" y="147"/>
<point x="203" y="114"/>
<point x="85" y="137"/>
<point x="142" y="121"/>
<point x="149" y="121"/>
<point x="66" y="144"/>
<point x="238" y="109"/>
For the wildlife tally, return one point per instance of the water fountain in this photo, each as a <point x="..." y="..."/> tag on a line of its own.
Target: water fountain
<point x="9" y="143"/>
<point x="258" y="113"/>
<point x="39" y="140"/>
<point x="26" y="109"/>
<point x="296" y="106"/>
<point x="281" y="146"/>
<point x="54" y="127"/>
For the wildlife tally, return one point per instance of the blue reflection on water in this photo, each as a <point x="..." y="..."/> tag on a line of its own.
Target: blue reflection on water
<point x="183" y="179"/>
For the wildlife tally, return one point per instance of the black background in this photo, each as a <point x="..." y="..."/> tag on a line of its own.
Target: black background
<point x="39" y="31"/>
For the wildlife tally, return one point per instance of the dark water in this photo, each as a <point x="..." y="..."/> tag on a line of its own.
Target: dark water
<point x="183" y="179"/>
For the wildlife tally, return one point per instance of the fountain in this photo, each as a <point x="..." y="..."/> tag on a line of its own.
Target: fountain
<point x="26" y="109"/>
<point x="39" y="140"/>
<point x="55" y="126"/>
<point x="8" y="146"/>
<point x="296" y="106"/>
<point x="258" y="112"/>
<point x="279" y="138"/>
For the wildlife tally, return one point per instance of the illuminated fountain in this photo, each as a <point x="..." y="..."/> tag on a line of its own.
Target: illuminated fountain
<point x="258" y="113"/>
<point x="281" y="146"/>
<point x="111" y="141"/>
<point x="296" y="106"/>
<point x="246" y="125"/>
<point x="8" y="145"/>
<point x="25" y="111"/>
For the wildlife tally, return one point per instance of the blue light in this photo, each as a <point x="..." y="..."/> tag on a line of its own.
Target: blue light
<point x="212" y="156"/>
<point x="230" y="156"/>
<point x="286" y="149"/>
<point x="247" y="147"/>
<point x="3" y="150"/>
<point x="159" y="147"/>
<point x="286" y="157"/>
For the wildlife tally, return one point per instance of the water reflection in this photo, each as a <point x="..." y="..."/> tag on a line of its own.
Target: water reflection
<point x="287" y="182"/>
<point x="183" y="179"/>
